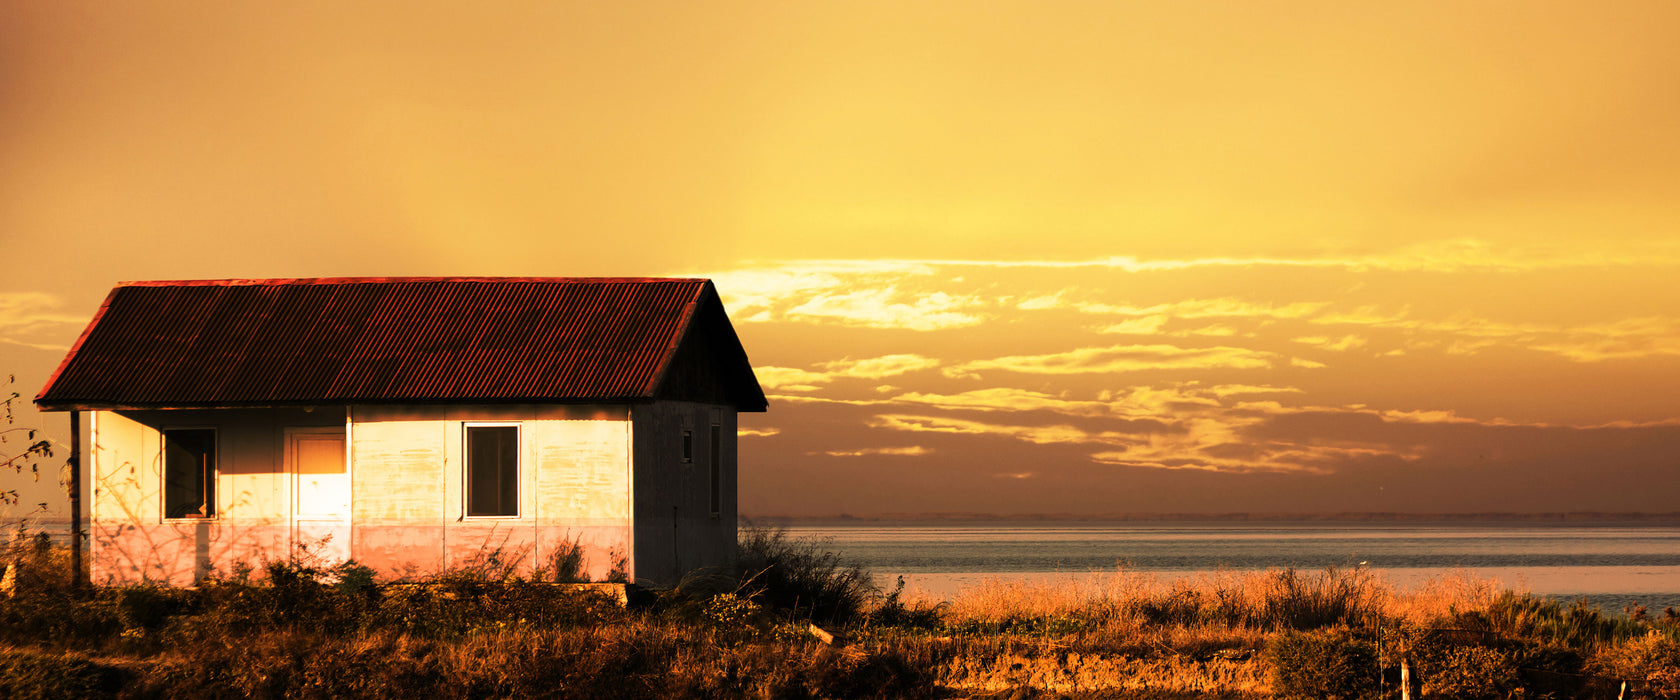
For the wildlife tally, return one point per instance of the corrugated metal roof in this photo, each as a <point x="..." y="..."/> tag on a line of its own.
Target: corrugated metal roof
<point x="306" y="341"/>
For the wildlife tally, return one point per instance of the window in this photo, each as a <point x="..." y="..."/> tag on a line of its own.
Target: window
<point x="493" y="470"/>
<point x="717" y="469"/>
<point x="189" y="473"/>
<point x="688" y="447"/>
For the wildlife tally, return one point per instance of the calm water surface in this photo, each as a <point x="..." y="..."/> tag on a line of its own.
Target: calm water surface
<point x="1611" y="565"/>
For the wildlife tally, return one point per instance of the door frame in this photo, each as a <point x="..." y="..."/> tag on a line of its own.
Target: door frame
<point x="338" y="548"/>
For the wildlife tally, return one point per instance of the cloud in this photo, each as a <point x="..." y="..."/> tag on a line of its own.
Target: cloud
<point x="936" y="295"/>
<point x="861" y="293"/>
<point x="1036" y="434"/>
<point x="758" y="432"/>
<point x="887" y="307"/>
<point x="1308" y="364"/>
<point x="880" y="367"/>
<point x="1224" y="390"/>
<point x="912" y="451"/>
<point x="1208" y="444"/>
<point x="1007" y="399"/>
<point x="32" y="319"/>
<point x="1039" y="303"/>
<point x="1347" y="342"/>
<point x="1214" y="331"/>
<point x="1147" y="325"/>
<point x="1450" y="256"/>
<point x="1466" y="334"/>
<point x="1224" y="307"/>
<point x="790" y="378"/>
<point x="1121" y="358"/>
<point x="795" y="379"/>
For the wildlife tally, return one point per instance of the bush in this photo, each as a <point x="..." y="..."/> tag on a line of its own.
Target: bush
<point x="26" y="675"/>
<point x="1333" y="597"/>
<point x="801" y="577"/>
<point x="892" y="612"/>
<point x="1322" y="666"/>
<point x="1469" y="673"/>
<point x="1653" y="659"/>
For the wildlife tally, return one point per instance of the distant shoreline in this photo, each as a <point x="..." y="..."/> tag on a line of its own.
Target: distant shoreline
<point x="1576" y="517"/>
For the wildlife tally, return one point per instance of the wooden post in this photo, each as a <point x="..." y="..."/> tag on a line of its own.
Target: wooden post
<point x="1405" y="679"/>
<point x="75" y="463"/>
<point x="1382" y="673"/>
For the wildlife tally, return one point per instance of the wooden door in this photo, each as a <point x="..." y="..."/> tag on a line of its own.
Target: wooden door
<point x="320" y="494"/>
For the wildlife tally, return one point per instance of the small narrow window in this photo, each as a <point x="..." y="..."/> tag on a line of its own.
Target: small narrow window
<point x="189" y="473"/>
<point x="492" y="470"/>
<point x="688" y="447"/>
<point x="717" y="469"/>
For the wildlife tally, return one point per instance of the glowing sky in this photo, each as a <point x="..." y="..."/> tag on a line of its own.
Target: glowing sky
<point x="1001" y="257"/>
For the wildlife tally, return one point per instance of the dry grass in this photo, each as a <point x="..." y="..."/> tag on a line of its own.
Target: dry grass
<point x="1235" y="598"/>
<point x="303" y="632"/>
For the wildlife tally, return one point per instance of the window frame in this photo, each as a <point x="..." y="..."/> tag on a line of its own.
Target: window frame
<point x="467" y="469"/>
<point x="208" y="477"/>
<point x="685" y="450"/>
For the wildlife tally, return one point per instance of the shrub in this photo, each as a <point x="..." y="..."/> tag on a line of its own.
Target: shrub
<point x="26" y="675"/>
<point x="148" y="607"/>
<point x="1469" y="673"/>
<point x="1333" y="597"/>
<point x="892" y="612"/>
<point x="800" y="576"/>
<point x="1653" y="659"/>
<point x="1322" y="666"/>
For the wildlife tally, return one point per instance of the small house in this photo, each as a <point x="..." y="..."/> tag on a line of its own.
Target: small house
<point x="416" y="425"/>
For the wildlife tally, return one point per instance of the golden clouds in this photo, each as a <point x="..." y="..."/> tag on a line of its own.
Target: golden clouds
<point x="1210" y="377"/>
<point x="888" y="308"/>
<point x="881" y="367"/>
<point x="1119" y="358"/>
<point x="794" y="379"/>
<point x="1206" y="308"/>
<point x="34" y="320"/>
<point x="912" y="451"/>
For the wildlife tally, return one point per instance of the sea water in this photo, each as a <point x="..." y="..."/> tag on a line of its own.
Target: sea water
<point x="1610" y="565"/>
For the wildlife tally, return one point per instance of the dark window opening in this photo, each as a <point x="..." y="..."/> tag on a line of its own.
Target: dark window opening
<point x="717" y="469"/>
<point x="189" y="473"/>
<point x="493" y="470"/>
<point x="688" y="446"/>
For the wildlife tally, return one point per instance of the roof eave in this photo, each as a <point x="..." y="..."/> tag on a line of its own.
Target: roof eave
<point x="74" y="405"/>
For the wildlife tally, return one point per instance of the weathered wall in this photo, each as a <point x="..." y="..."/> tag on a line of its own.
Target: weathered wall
<point x="130" y="539"/>
<point x="675" y="530"/>
<point x="407" y="492"/>
<point x="409" y="501"/>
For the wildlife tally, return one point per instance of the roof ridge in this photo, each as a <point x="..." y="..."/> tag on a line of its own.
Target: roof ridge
<point x="278" y="281"/>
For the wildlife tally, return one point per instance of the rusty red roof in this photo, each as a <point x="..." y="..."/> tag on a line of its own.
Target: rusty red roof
<point x="230" y="343"/>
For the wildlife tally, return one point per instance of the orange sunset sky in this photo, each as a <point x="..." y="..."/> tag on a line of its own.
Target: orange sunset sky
<point x="1006" y="257"/>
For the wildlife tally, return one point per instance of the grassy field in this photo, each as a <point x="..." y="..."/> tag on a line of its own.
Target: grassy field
<point x="297" y="631"/>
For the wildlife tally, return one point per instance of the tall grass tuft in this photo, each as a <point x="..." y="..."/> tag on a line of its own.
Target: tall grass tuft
<point x="1579" y="625"/>
<point x="1335" y="596"/>
<point x="801" y="576"/>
